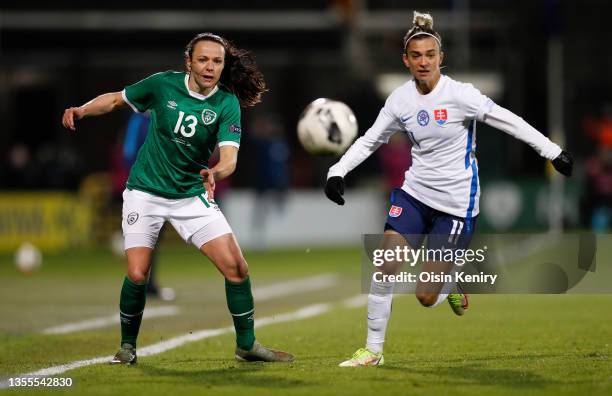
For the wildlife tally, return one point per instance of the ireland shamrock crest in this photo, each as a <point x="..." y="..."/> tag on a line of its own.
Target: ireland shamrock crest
<point x="208" y="116"/>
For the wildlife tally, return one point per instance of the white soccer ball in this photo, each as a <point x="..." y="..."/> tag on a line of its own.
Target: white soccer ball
<point x="28" y="258"/>
<point x="327" y="127"/>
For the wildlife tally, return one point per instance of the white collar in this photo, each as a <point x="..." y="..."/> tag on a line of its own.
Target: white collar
<point x="197" y="95"/>
<point x="434" y="91"/>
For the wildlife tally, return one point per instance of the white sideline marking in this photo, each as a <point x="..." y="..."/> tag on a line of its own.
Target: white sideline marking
<point x="108" y="320"/>
<point x="525" y="248"/>
<point x="312" y="283"/>
<point x="355" y="302"/>
<point x="163" y="346"/>
<point x="302" y="313"/>
<point x="264" y="293"/>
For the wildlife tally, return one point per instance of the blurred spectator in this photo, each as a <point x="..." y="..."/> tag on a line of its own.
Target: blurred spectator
<point x="19" y="172"/>
<point x="395" y="159"/>
<point x="271" y="180"/>
<point x="597" y="200"/>
<point x="53" y="166"/>
<point x="600" y="129"/>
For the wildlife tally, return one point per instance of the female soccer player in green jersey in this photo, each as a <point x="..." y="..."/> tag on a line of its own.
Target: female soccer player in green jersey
<point x="191" y="114"/>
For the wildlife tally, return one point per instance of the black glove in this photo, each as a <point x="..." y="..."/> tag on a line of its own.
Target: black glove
<point x="334" y="189"/>
<point x="564" y="163"/>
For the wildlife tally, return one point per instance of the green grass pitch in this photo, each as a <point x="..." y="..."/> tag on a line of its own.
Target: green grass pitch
<point x="522" y="345"/>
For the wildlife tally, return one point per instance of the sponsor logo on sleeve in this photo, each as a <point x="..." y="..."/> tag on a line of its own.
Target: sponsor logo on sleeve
<point x="423" y="118"/>
<point x="441" y="116"/>
<point x="395" y="211"/>
<point x="235" y="129"/>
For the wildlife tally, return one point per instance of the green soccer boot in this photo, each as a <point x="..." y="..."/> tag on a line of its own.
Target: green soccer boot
<point x="260" y="353"/>
<point x="458" y="302"/>
<point x="126" y="355"/>
<point x="364" y="357"/>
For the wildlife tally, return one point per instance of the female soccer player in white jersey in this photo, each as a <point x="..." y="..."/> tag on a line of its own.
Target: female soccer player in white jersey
<point x="191" y="113"/>
<point x="440" y="193"/>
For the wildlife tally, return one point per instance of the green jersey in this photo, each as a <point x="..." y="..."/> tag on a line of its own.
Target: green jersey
<point x="185" y="127"/>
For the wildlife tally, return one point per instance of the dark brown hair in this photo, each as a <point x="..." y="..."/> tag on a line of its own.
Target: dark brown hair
<point x="240" y="74"/>
<point x="422" y="27"/>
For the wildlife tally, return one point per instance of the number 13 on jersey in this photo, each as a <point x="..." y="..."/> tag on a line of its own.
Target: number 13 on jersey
<point x="191" y="122"/>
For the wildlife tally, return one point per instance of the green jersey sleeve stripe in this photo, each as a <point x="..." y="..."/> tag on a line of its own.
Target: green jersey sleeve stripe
<point x="229" y="143"/>
<point x="125" y="98"/>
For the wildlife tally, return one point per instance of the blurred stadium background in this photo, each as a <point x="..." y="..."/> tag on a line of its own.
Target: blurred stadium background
<point x="546" y="60"/>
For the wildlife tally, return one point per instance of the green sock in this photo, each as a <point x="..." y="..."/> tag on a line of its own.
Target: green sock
<point x="240" y="304"/>
<point x="131" y="306"/>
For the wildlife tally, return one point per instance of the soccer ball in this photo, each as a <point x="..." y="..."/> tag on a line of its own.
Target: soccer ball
<point x="28" y="258"/>
<point x="327" y="127"/>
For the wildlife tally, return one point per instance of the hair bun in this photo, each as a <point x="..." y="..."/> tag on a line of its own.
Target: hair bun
<point x="422" y="20"/>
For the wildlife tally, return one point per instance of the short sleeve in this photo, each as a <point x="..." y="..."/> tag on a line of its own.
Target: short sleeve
<point x="230" y="129"/>
<point x="141" y="95"/>
<point x="475" y="104"/>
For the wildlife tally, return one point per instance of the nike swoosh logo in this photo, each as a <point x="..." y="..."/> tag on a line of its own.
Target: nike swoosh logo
<point x="404" y="119"/>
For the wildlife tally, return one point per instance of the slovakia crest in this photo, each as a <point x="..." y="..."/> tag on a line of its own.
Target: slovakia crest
<point x="441" y="116"/>
<point x="395" y="211"/>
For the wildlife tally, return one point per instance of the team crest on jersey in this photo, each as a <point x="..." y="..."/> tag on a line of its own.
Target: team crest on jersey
<point x="132" y="217"/>
<point x="441" y="116"/>
<point x="208" y="116"/>
<point x="395" y="211"/>
<point x="423" y="118"/>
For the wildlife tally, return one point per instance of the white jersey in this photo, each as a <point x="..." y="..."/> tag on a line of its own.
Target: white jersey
<point x="442" y="128"/>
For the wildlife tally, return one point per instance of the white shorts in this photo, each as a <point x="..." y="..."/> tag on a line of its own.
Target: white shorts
<point x="195" y="219"/>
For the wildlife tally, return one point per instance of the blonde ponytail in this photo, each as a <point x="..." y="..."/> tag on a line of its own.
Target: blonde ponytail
<point x="422" y="26"/>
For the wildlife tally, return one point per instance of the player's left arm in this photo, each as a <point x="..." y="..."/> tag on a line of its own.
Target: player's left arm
<point x="505" y="120"/>
<point x="478" y="106"/>
<point x="228" y="158"/>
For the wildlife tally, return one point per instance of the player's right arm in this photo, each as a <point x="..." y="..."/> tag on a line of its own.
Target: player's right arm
<point x="386" y="124"/>
<point x="100" y="105"/>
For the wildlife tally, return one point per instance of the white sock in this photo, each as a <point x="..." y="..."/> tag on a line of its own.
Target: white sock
<point x="441" y="297"/>
<point x="446" y="289"/>
<point x="379" y="312"/>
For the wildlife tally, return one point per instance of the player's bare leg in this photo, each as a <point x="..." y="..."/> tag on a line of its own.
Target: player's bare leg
<point x="428" y="293"/>
<point x="225" y="253"/>
<point x="431" y="294"/>
<point x="139" y="263"/>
